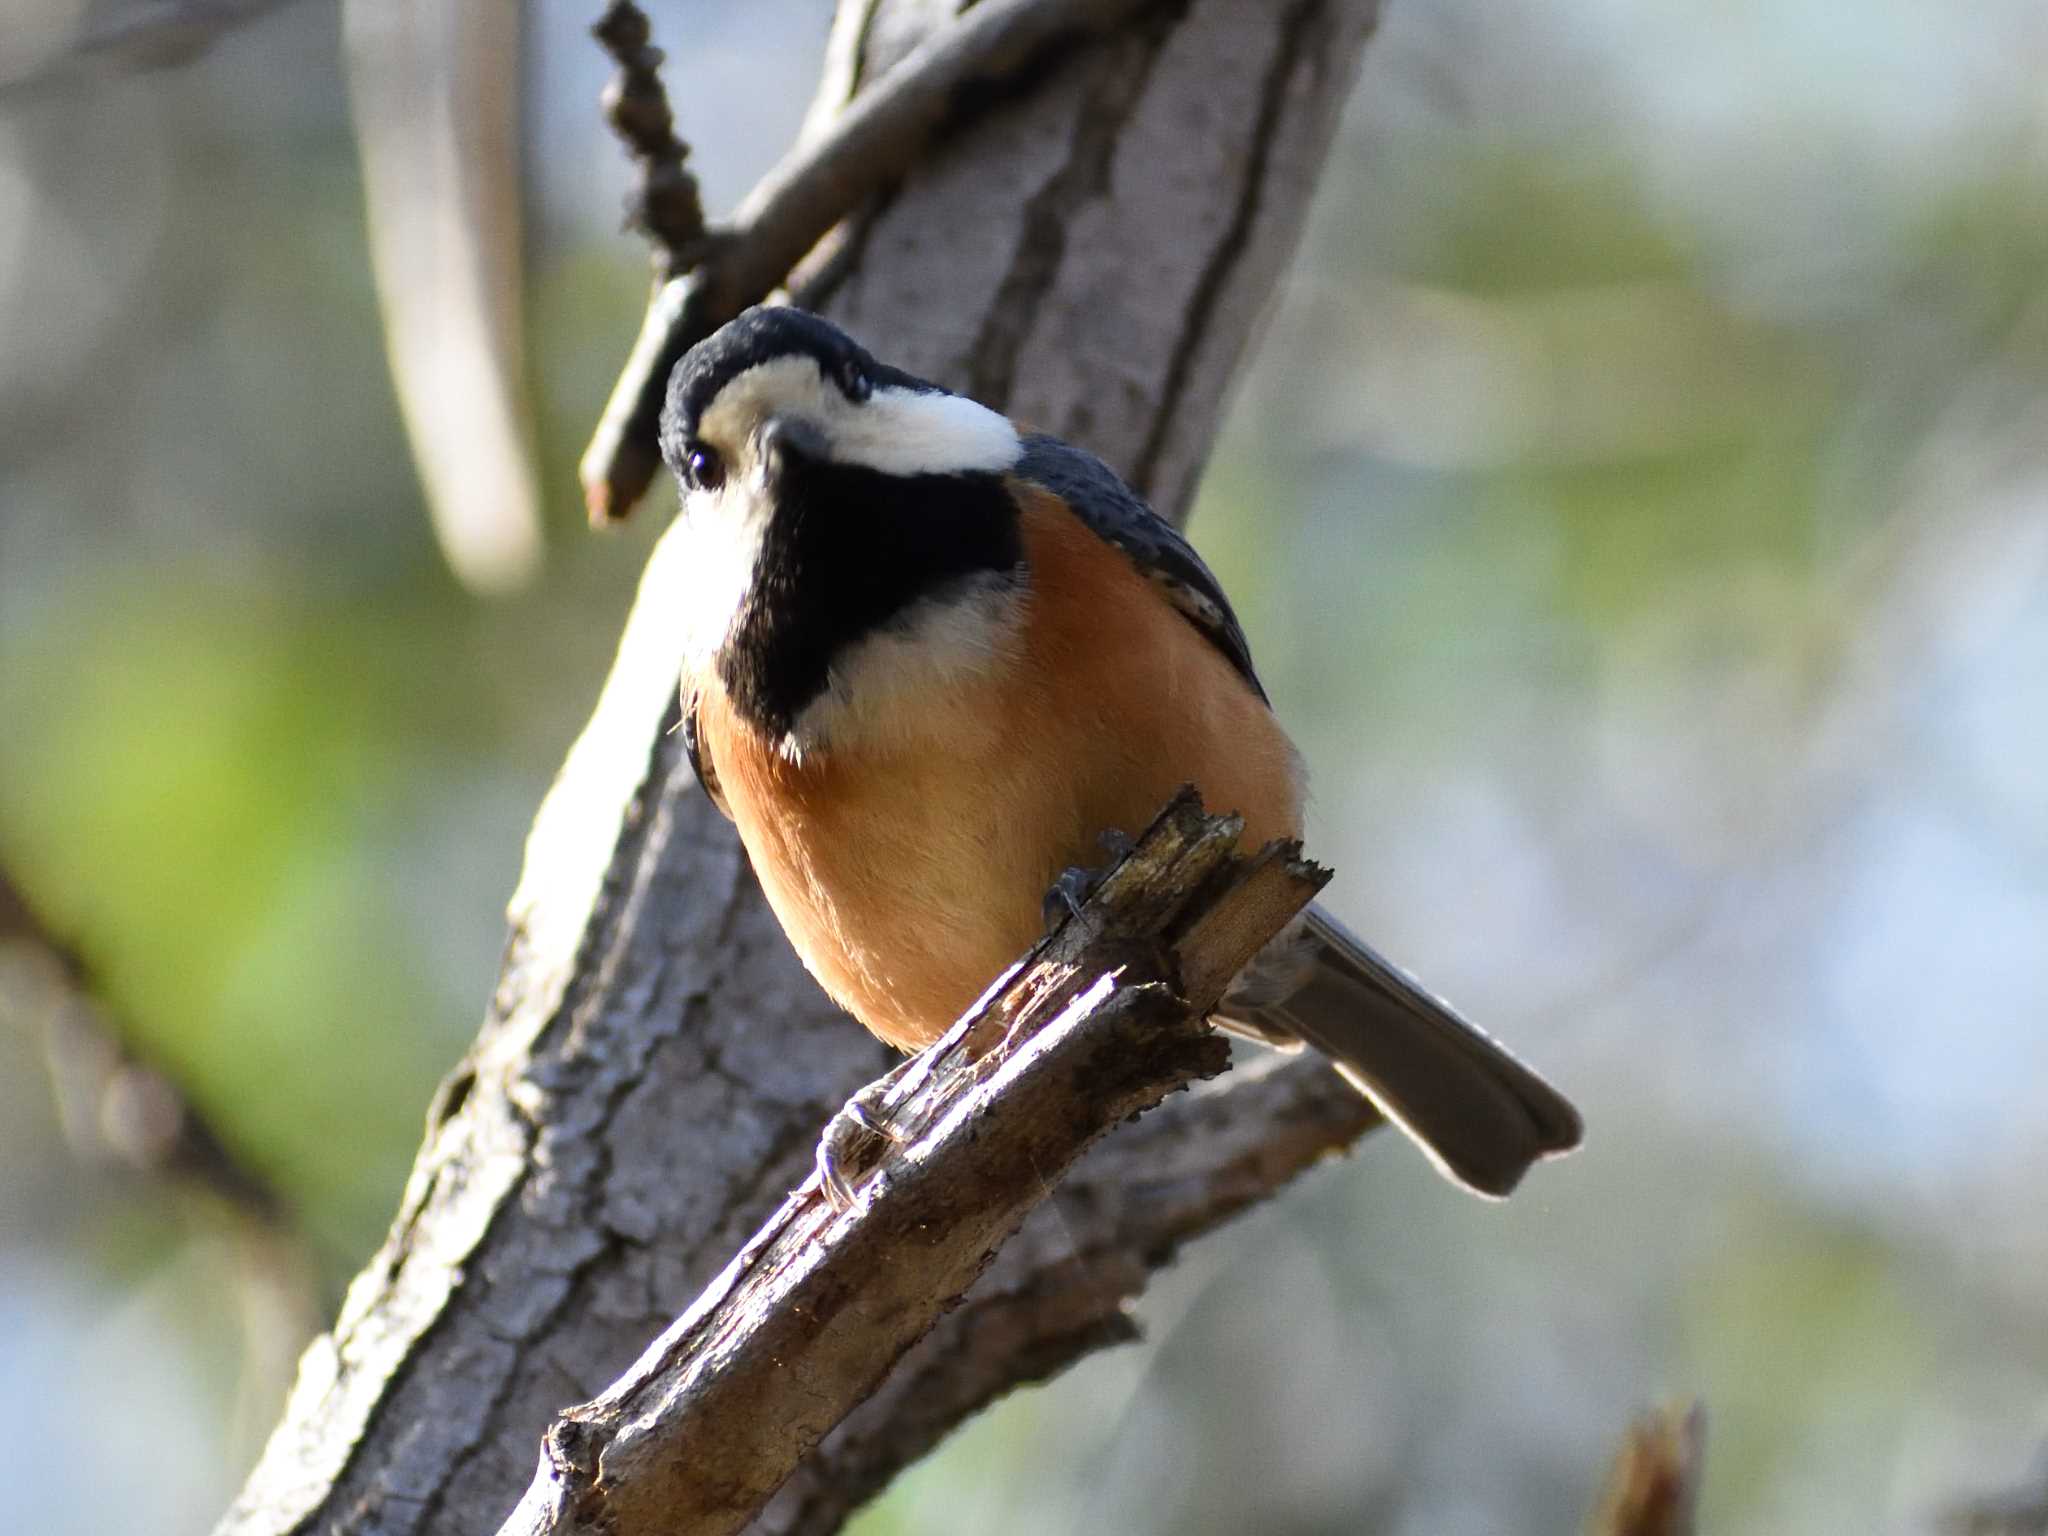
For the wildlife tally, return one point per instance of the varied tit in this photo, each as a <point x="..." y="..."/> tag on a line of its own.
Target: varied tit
<point x="933" y="658"/>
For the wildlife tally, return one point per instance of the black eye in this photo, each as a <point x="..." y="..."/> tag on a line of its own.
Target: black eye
<point x="703" y="469"/>
<point x="854" y="382"/>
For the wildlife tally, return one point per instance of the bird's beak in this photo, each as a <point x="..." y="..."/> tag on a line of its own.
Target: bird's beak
<point x="787" y="441"/>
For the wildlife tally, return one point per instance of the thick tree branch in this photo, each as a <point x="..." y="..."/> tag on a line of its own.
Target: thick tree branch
<point x="1098" y="1024"/>
<point x="655" y="1066"/>
<point x="1058" y="1290"/>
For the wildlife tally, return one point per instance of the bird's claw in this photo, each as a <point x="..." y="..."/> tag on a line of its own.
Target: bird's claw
<point x="1069" y="892"/>
<point x="1072" y="887"/>
<point x="855" y="1140"/>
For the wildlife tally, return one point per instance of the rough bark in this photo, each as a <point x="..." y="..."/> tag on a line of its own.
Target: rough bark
<point x="1101" y="1022"/>
<point x="1090" y="247"/>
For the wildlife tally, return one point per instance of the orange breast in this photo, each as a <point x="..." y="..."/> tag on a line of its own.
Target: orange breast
<point x="909" y="872"/>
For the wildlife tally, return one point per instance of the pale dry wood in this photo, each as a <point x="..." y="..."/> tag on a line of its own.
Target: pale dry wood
<point x="1092" y="1028"/>
<point x="655" y="1067"/>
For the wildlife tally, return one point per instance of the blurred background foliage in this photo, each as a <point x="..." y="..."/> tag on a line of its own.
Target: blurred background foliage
<point x="1637" y="504"/>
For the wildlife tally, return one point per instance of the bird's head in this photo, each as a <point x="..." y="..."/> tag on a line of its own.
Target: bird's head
<point x="780" y="395"/>
<point x="826" y="498"/>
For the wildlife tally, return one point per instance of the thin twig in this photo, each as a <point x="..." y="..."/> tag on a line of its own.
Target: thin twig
<point x="665" y="204"/>
<point x="1090" y="1029"/>
<point x="827" y="177"/>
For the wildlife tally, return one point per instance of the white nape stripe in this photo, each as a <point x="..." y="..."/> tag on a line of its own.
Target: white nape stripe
<point x="915" y="432"/>
<point x="896" y="431"/>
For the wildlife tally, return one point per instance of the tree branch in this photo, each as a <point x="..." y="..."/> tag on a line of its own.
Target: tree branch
<point x="665" y="204"/>
<point x="434" y="96"/>
<point x="1098" y="1024"/>
<point x="2019" y="1511"/>
<point x="1058" y="1290"/>
<point x="654" y="1068"/>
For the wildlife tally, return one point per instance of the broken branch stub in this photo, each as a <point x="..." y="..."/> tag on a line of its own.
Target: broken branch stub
<point x="1101" y="1021"/>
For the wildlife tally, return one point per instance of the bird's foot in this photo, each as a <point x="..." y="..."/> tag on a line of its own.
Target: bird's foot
<point x="1072" y="887"/>
<point x="857" y="1138"/>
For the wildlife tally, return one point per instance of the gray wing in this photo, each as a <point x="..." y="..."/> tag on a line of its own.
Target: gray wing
<point x="1117" y="514"/>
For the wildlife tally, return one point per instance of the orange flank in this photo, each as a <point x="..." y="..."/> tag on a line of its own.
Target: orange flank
<point x="909" y="864"/>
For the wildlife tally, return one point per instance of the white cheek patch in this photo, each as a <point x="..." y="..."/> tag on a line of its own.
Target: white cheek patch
<point x="722" y="533"/>
<point x="890" y="686"/>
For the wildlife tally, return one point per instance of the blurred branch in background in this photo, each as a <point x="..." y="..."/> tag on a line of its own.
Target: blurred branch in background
<point x="1654" y="1487"/>
<point x="2022" y="1511"/>
<point x="434" y="87"/>
<point x="123" y="1112"/>
<point x="140" y="34"/>
<point x="117" y="1110"/>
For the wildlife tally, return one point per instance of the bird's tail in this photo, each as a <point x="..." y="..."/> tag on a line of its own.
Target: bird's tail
<point x="1481" y="1115"/>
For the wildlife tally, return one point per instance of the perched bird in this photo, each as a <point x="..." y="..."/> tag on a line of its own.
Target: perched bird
<point x="933" y="658"/>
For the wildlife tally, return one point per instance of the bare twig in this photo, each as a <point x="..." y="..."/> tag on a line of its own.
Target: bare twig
<point x="665" y="204"/>
<point x="1099" y="1023"/>
<point x="827" y="177"/>
<point x="1654" y="1487"/>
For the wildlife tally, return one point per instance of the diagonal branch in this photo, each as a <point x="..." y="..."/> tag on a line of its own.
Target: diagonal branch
<point x="654" y="1064"/>
<point x="719" y="272"/>
<point x="1060" y="1288"/>
<point x="1099" y="1023"/>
